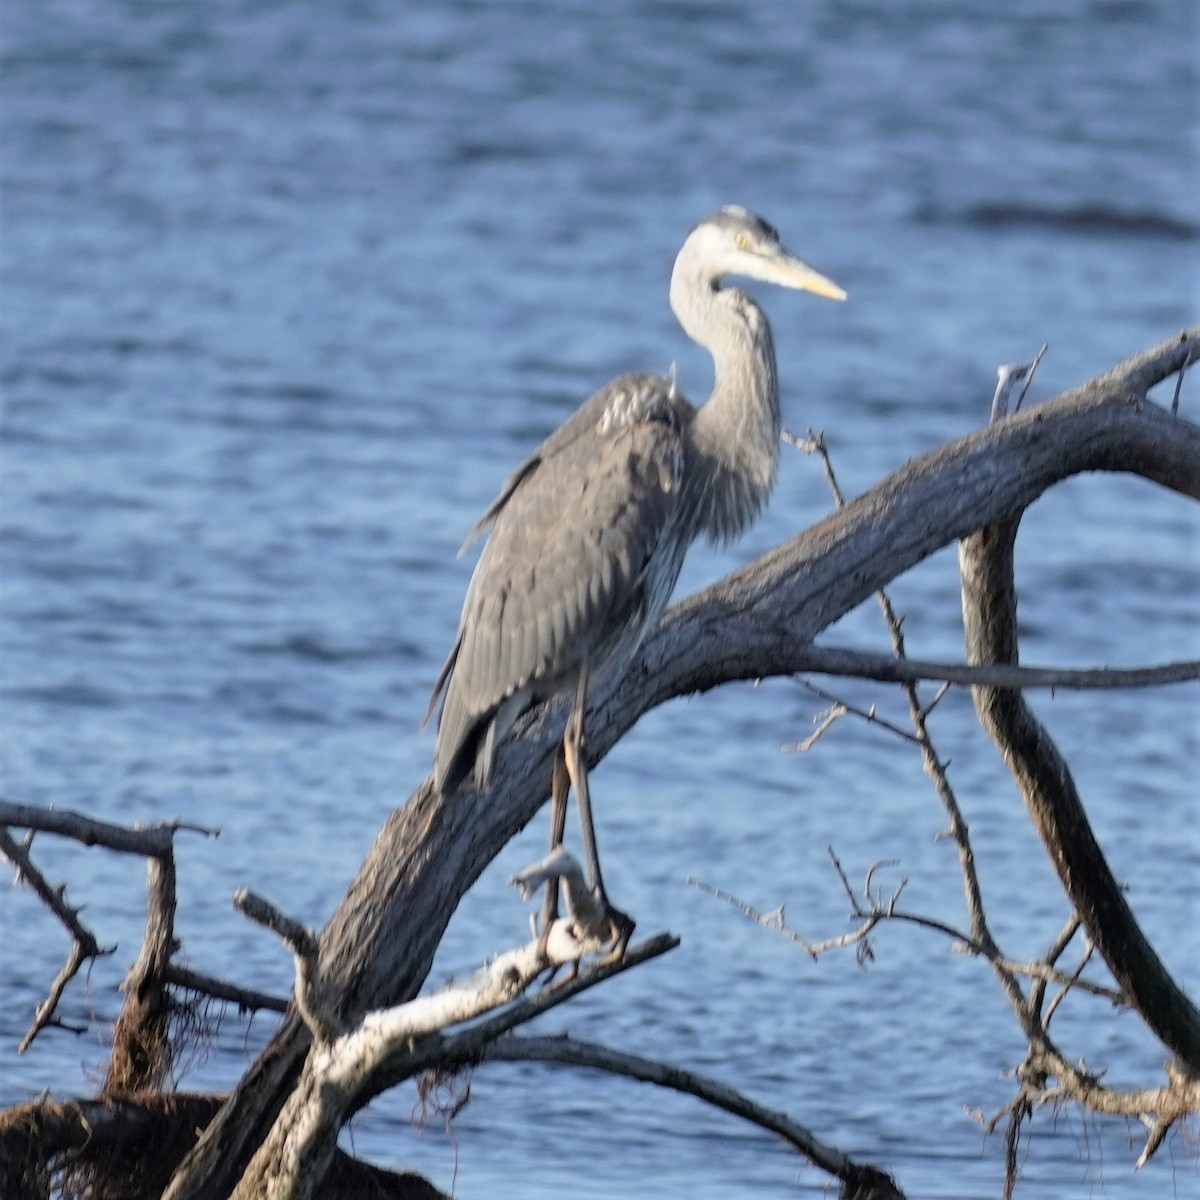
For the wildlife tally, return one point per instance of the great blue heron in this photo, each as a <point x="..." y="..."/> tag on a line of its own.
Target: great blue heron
<point x="588" y="535"/>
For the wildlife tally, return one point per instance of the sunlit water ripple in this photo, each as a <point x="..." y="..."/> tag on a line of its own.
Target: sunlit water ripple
<point x="287" y="291"/>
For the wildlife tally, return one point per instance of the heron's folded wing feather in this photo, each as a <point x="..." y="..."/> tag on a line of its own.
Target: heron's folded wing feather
<point x="582" y="423"/>
<point x="563" y="575"/>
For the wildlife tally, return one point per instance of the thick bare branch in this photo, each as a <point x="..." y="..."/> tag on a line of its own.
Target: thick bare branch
<point x="1044" y="779"/>
<point x="379" y="945"/>
<point x="564" y="1051"/>
<point x="312" y="997"/>
<point x="1138" y="373"/>
<point x="462" y="1046"/>
<point x="146" y="840"/>
<point x="299" y="940"/>
<point x="345" y="1071"/>
<point x="142" y="1054"/>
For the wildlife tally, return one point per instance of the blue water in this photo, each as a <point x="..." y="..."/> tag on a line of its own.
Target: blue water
<point x="288" y="289"/>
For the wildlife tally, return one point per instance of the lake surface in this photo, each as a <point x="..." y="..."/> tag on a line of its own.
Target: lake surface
<point x="289" y="289"/>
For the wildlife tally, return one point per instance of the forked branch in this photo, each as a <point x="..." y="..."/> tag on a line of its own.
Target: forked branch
<point x="378" y="948"/>
<point x="352" y="1062"/>
<point x="1045" y="781"/>
<point x="84" y="946"/>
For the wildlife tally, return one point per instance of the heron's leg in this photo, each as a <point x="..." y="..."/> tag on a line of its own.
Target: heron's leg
<point x="577" y="770"/>
<point x="576" y="764"/>
<point x="558" y="826"/>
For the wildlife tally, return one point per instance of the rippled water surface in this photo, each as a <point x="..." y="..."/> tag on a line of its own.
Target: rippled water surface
<point x="287" y="291"/>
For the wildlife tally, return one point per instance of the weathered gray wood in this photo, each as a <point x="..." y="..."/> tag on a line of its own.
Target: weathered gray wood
<point x="378" y="947"/>
<point x="990" y="627"/>
<point x="747" y="626"/>
<point x="345" y="1069"/>
<point x="858" y="1179"/>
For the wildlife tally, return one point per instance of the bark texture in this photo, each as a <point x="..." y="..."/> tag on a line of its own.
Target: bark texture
<point x="378" y="947"/>
<point x="1054" y="804"/>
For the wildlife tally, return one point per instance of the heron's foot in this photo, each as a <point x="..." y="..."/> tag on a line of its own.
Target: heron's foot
<point x="591" y="925"/>
<point x="566" y="942"/>
<point x="621" y="926"/>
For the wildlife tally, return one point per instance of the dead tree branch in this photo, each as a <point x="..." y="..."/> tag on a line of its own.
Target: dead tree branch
<point x="84" y="946"/>
<point x="840" y="708"/>
<point x="1045" y="781"/>
<point x="246" y="999"/>
<point x="351" y="1063"/>
<point x="141" y="1056"/>
<point x="876" y="910"/>
<point x="139" y="1139"/>
<point x="144" y="840"/>
<point x="438" y="1050"/>
<point x="980" y="940"/>
<point x="1043" y="1060"/>
<point x="378" y="947"/>
<point x="833" y="660"/>
<point x="569" y="1052"/>
<point x="316" y="1005"/>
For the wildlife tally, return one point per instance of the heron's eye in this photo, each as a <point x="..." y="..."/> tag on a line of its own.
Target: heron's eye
<point x="743" y="241"/>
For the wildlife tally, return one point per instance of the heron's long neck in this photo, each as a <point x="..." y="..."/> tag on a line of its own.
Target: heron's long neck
<point x="735" y="435"/>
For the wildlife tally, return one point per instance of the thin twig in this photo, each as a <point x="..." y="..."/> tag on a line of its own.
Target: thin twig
<point x="1053" y="953"/>
<point x="84" y="946"/>
<point x="935" y="768"/>
<point x="54" y="898"/>
<point x="44" y="1016"/>
<point x="824" y="722"/>
<point x="1066" y="987"/>
<point x="1029" y="374"/>
<point x="1187" y="362"/>
<point x="878" y="911"/>
<point x="842" y="708"/>
<point x="937" y="699"/>
<point x="875" y="900"/>
<point x="884" y="668"/>
<point x="773" y="920"/>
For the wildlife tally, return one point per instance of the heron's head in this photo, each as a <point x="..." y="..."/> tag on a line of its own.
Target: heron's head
<point x="734" y="241"/>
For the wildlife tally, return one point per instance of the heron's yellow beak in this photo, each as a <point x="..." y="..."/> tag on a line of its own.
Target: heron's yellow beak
<point x="796" y="274"/>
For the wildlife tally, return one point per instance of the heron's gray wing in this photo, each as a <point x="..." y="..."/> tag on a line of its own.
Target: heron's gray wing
<point x="575" y="548"/>
<point x="582" y="422"/>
